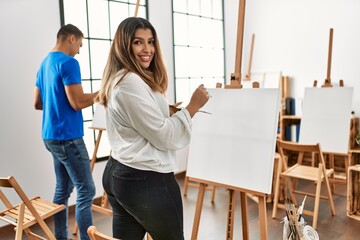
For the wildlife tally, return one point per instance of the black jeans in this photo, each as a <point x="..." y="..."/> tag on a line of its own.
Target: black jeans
<point x="143" y="201"/>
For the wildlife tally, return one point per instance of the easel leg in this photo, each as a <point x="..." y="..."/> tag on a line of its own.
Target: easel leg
<point x="347" y="160"/>
<point x="332" y="165"/>
<point x="262" y="218"/>
<point x="244" y="216"/>
<point x="213" y="194"/>
<point x="104" y="200"/>
<point x="97" y="144"/>
<point x="198" y="210"/>
<point x="186" y="182"/>
<point x="231" y="217"/>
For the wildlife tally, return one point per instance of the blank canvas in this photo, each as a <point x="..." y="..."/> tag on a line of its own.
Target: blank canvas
<point x="326" y="116"/>
<point x="99" y="119"/>
<point x="235" y="144"/>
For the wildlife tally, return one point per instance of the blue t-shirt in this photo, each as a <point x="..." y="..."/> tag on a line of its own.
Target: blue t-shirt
<point x="60" y="120"/>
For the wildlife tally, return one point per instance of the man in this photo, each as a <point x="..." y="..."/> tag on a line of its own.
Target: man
<point x="59" y="94"/>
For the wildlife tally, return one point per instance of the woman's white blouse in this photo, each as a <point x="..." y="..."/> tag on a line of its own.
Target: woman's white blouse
<point x="140" y="131"/>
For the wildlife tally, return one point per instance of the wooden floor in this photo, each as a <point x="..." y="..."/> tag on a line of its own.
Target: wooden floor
<point x="214" y="217"/>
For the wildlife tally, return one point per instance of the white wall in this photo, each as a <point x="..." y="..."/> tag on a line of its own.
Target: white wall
<point x="27" y="33"/>
<point x="291" y="36"/>
<point x="160" y="16"/>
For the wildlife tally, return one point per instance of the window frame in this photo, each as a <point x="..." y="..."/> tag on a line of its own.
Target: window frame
<point x="201" y="78"/>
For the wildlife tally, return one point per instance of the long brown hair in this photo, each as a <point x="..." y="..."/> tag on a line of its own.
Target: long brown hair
<point x="121" y="57"/>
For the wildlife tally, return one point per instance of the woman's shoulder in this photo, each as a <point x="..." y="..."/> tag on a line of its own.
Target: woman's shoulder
<point x="129" y="82"/>
<point x="130" y="78"/>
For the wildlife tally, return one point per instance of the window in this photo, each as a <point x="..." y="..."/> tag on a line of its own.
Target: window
<point x="198" y="45"/>
<point x="98" y="20"/>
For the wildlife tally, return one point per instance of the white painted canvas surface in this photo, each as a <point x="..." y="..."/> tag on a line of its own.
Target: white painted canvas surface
<point x="99" y="120"/>
<point x="99" y="123"/>
<point x="235" y="144"/>
<point x="326" y="116"/>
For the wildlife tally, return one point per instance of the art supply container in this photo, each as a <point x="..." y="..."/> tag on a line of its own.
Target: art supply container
<point x="293" y="231"/>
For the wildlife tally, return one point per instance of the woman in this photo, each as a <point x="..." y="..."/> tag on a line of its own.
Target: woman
<point x="144" y="135"/>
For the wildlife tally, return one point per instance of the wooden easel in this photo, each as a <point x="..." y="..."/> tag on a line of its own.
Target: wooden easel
<point x="232" y="168"/>
<point x="260" y="199"/>
<point x="235" y="82"/>
<point x="231" y="210"/>
<point x="248" y="74"/>
<point x="327" y="83"/>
